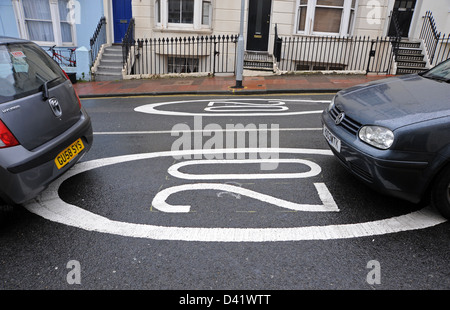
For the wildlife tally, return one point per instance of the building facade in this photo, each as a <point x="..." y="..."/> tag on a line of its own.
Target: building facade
<point x="66" y="25"/>
<point x="162" y="18"/>
<point x="212" y="27"/>
<point x="287" y="35"/>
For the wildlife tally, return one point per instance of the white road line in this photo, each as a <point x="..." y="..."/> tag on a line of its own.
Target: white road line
<point x="155" y="132"/>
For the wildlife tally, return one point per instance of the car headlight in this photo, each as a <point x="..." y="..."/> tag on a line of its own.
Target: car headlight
<point x="379" y="137"/>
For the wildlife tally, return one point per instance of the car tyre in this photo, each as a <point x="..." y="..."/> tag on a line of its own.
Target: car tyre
<point x="440" y="193"/>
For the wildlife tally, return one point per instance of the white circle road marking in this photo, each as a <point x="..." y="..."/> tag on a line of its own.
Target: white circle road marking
<point x="152" y="109"/>
<point x="50" y="206"/>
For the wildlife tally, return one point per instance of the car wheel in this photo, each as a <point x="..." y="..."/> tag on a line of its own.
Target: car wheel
<point x="440" y="193"/>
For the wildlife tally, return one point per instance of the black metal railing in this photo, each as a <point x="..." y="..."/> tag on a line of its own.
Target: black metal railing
<point x="436" y="44"/>
<point x="430" y="35"/>
<point x="278" y="42"/>
<point x="128" y="42"/>
<point x="98" y="39"/>
<point x="396" y="35"/>
<point x="201" y="54"/>
<point x="335" y="53"/>
<point x="442" y="50"/>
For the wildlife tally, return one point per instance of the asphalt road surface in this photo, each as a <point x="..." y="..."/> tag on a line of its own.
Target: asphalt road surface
<point x="217" y="193"/>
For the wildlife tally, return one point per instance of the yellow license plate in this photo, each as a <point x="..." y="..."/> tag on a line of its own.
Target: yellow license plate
<point x="69" y="153"/>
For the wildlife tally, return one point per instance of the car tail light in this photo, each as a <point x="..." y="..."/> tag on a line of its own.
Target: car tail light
<point x="66" y="74"/>
<point x="78" y="98"/>
<point x="7" y="139"/>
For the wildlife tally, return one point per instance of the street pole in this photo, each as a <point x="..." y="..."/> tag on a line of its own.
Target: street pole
<point x="240" y="51"/>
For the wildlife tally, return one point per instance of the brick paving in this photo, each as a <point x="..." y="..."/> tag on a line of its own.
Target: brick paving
<point x="289" y="83"/>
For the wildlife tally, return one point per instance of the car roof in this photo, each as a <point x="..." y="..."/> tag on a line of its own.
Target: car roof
<point x="7" y="40"/>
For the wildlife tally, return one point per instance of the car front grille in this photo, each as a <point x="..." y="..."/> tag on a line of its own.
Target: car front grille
<point x="347" y="123"/>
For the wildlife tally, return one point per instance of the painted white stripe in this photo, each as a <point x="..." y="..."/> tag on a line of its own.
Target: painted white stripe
<point x="155" y="132"/>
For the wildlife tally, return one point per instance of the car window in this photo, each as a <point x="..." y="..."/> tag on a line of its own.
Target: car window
<point x="24" y="68"/>
<point x="440" y="72"/>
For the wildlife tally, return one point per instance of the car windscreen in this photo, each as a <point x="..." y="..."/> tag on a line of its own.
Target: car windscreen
<point x="24" y="68"/>
<point x="441" y="72"/>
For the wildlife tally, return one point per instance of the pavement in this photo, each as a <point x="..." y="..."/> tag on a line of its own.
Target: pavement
<point x="288" y="83"/>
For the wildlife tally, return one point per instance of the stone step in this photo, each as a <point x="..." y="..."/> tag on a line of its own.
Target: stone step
<point x="258" y="65"/>
<point x="409" y="70"/>
<point x="110" y="66"/>
<point x="101" y="76"/>
<point x="258" y="61"/>
<point x="409" y="51"/>
<point x="409" y="44"/>
<point x="409" y="57"/>
<point x="112" y="54"/>
<point x="411" y="64"/>
<point x="111" y="62"/>
<point x="111" y="69"/>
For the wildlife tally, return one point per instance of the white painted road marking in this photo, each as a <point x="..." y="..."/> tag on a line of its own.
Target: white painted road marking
<point x="50" y="206"/>
<point x="313" y="171"/>
<point x="237" y="106"/>
<point x="154" y="132"/>
<point x="152" y="108"/>
<point x="159" y="202"/>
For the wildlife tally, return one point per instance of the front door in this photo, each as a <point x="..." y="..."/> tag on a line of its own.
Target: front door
<point x="122" y="16"/>
<point x="403" y="12"/>
<point x="258" y="25"/>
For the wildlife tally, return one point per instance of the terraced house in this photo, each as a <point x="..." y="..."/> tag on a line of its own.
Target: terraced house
<point x="371" y="36"/>
<point x="144" y="38"/>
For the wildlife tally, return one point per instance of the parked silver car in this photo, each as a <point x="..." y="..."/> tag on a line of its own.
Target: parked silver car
<point x="394" y="134"/>
<point x="44" y="130"/>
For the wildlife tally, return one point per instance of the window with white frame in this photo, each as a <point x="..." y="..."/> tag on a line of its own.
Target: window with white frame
<point x="206" y="12"/>
<point x="183" y="14"/>
<point x="158" y="11"/>
<point x="182" y="65"/>
<point x="325" y="17"/>
<point x="181" y="11"/>
<point x="46" y="22"/>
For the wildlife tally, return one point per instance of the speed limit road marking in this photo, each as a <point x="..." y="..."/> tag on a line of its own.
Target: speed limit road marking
<point x="50" y="206"/>
<point x="231" y="107"/>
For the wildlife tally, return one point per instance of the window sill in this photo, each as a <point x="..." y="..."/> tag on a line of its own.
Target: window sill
<point x="322" y="34"/>
<point x="205" y="31"/>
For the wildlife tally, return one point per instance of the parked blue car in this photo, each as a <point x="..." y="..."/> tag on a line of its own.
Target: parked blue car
<point x="44" y="129"/>
<point x="394" y="134"/>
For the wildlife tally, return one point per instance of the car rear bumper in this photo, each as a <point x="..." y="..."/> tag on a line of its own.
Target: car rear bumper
<point x="24" y="174"/>
<point x="388" y="172"/>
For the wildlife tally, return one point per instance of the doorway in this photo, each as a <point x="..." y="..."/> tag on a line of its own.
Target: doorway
<point x="121" y="15"/>
<point x="258" y="25"/>
<point x="403" y="12"/>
